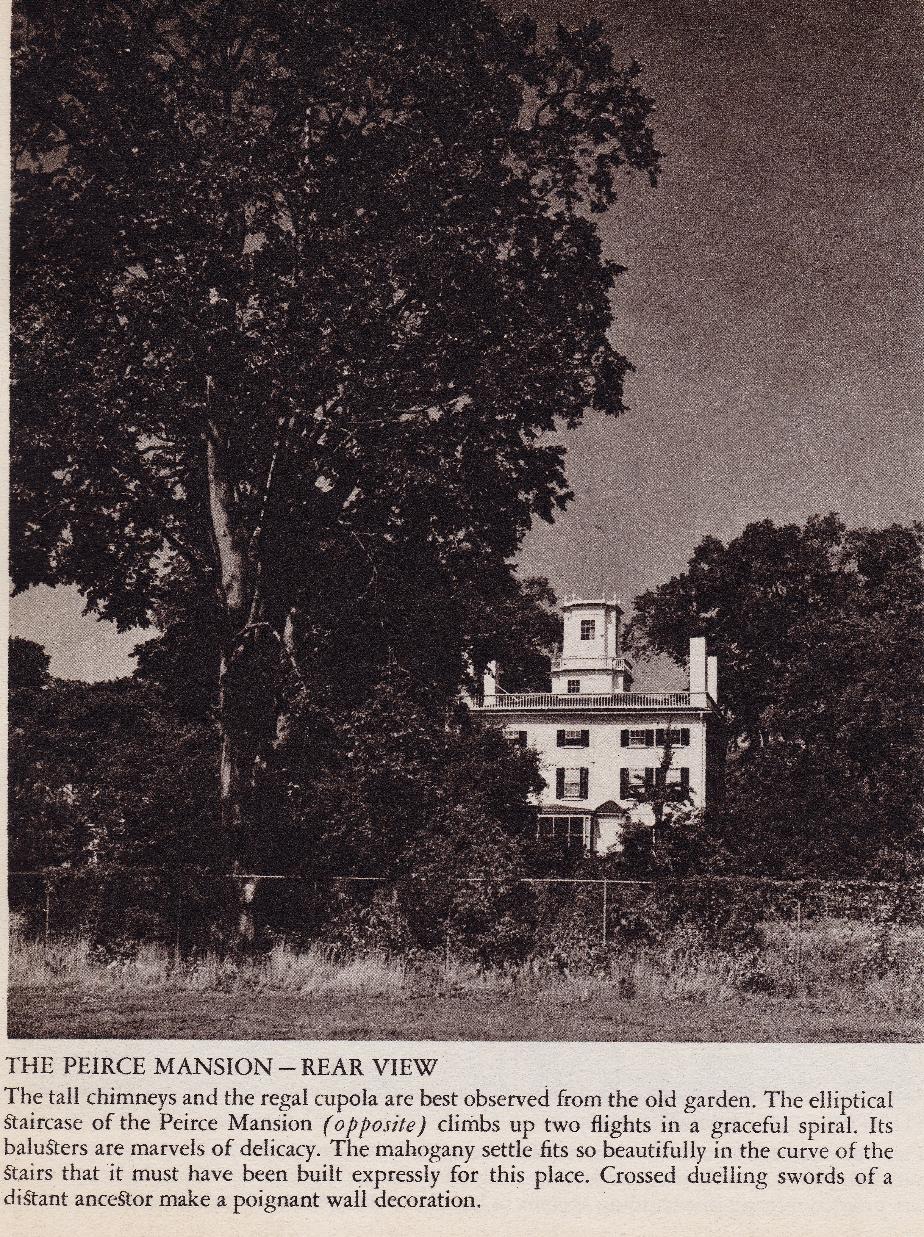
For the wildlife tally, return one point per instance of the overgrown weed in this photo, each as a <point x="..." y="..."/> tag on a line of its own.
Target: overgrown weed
<point x="841" y="963"/>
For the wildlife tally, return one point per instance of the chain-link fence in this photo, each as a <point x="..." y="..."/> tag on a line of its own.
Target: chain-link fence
<point x="183" y="909"/>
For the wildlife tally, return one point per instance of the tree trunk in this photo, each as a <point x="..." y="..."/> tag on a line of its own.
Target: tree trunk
<point x="284" y="714"/>
<point x="235" y="773"/>
<point x="236" y="757"/>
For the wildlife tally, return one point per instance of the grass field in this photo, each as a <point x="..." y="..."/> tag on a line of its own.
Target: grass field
<point x="849" y="981"/>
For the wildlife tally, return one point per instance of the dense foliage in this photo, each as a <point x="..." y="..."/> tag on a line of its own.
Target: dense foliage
<point x="818" y="631"/>
<point x="113" y="805"/>
<point x="112" y="800"/>
<point x="394" y="788"/>
<point x="299" y="290"/>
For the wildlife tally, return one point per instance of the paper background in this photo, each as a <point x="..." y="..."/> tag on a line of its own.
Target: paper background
<point x="650" y="1211"/>
<point x="581" y="1209"/>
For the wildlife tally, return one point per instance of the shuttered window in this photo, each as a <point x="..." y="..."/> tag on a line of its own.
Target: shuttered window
<point x="670" y="777"/>
<point x="574" y="687"/>
<point x="633" y="781"/>
<point x="656" y="737"/>
<point x="574" y="738"/>
<point x="571" y="783"/>
<point x="676" y="738"/>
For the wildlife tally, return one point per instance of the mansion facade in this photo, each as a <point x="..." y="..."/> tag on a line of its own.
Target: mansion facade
<point x="600" y="744"/>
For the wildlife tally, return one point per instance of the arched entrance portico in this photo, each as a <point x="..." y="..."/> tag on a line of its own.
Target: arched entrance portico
<point x="606" y="825"/>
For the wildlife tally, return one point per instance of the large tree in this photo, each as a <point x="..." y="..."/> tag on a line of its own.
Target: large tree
<point x="747" y="598"/>
<point x="111" y="803"/>
<point x="298" y="289"/>
<point x="817" y="629"/>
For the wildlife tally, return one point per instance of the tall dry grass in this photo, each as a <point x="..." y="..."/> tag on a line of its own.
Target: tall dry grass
<point x="842" y="963"/>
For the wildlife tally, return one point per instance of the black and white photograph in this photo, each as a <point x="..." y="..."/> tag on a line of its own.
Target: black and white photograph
<point x="465" y="521"/>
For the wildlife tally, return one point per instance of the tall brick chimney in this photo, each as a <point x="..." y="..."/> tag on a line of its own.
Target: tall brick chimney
<point x="712" y="677"/>
<point x="697" y="665"/>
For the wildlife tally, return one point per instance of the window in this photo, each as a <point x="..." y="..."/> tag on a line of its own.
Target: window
<point x="638" y="738"/>
<point x="588" y="627"/>
<point x="656" y="737"/>
<point x="574" y="738"/>
<point x="631" y="781"/>
<point x="571" y="783"/>
<point x="566" y="829"/>
<point x="518" y="737"/>
<point x="574" y="687"/>
<point x="676" y="738"/>
<point x="666" y="777"/>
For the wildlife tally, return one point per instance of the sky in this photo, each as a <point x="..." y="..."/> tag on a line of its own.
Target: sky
<point x="772" y="305"/>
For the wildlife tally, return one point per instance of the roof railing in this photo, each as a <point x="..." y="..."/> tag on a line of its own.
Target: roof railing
<point x="514" y="701"/>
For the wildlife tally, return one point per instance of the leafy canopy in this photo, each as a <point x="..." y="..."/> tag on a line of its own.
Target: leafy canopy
<point x="292" y="277"/>
<point x="821" y="676"/>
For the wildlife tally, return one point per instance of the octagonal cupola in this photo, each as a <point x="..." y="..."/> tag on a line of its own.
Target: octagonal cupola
<point x="590" y="662"/>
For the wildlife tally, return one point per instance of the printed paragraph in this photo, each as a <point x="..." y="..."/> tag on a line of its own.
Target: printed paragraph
<point x="264" y="1134"/>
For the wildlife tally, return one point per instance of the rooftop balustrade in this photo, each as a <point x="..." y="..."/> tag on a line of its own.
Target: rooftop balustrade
<point x="591" y="663"/>
<point x="582" y="701"/>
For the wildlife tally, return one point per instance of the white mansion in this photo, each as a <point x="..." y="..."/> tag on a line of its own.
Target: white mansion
<point x="597" y="740"/>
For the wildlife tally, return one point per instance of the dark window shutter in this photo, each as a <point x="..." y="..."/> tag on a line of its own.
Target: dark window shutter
<point x="561" y="738"/>
<point x="659" y="738"/>
<point x="685" y="778"/>
<point x="559" y="783"/>
<point x="685" y="737"/>
<point x="624" y="738"/>
<point x="584" y="782"/>
<point x="649" y="778"/>
<point x="585" y="738"/>
<point x="649" y="738"/>
<point x="623" y="782"/>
